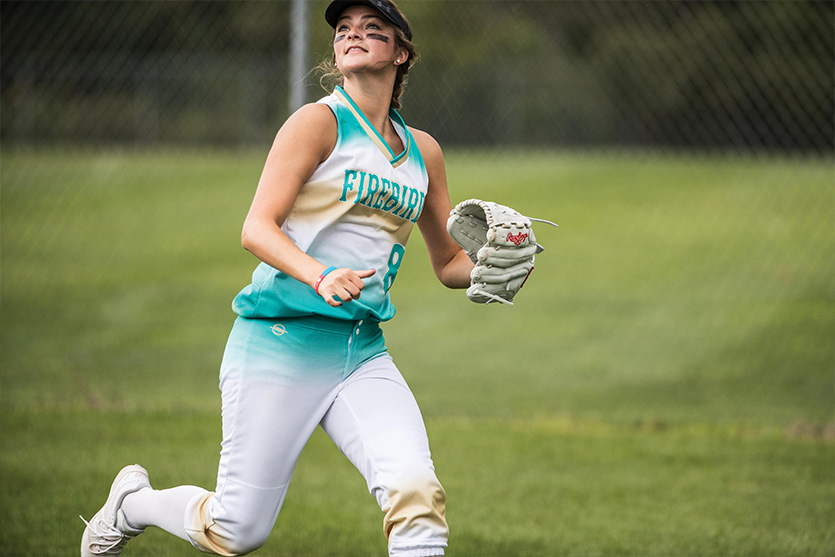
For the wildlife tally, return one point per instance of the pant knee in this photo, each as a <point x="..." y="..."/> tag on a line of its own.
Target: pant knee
<point x="241" y="543"/>
<point x="243" y="540"/>
<point x="416" y="513"/>
<point x="210" y="537"/>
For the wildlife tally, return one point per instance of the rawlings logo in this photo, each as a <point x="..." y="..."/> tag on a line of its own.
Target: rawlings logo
<point x="517" y="238"/>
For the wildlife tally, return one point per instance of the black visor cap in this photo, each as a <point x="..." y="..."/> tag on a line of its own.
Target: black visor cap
<point x="336" y="8"/>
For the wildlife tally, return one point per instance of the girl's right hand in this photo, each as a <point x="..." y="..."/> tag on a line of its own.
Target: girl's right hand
<point x="343" y="285"/>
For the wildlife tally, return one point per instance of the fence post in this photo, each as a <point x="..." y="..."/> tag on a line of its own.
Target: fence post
<point x="299" y="48"/>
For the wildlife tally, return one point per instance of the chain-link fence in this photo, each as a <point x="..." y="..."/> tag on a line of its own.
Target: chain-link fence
<point x="685" y="148"/>
<point x="716" y="75"/>
<point x="133" y="132"/>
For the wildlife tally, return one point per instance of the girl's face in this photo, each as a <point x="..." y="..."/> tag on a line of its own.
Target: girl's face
<point x="364" y="41"/>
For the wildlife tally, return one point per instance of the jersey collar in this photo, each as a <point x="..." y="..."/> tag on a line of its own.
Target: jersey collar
<point x="373" y="134"/>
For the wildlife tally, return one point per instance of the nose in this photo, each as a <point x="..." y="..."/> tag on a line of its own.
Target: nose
<point x="353" y="33"/>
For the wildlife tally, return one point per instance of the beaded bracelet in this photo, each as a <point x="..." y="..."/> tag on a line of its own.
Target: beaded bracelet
<point x="322" y="277"/>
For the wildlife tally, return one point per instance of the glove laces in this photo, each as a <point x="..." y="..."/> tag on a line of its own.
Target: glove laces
<point x="555" y="225"/>
<point x="493" y="297"/>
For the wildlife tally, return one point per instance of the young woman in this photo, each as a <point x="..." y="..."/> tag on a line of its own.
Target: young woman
<point x="342" y="186"/>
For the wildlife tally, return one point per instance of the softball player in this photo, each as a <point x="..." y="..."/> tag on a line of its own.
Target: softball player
<point x="342" y="186"/>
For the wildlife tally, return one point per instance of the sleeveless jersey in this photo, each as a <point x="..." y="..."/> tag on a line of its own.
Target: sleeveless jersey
<point x="356" y="211"/>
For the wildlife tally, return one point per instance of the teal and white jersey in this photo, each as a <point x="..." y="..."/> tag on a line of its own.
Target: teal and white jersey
<point x="357" y="211"/>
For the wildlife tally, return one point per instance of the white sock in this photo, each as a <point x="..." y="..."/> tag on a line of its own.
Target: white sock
<point x="164" y="508"/>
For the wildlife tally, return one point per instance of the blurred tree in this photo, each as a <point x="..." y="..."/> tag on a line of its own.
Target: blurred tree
<point x="708" y="74"/>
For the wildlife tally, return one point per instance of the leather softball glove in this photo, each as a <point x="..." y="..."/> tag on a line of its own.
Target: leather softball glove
<point x="501" y="243"/>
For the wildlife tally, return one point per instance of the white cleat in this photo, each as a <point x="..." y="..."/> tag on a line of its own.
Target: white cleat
<point x="107" y="533"/>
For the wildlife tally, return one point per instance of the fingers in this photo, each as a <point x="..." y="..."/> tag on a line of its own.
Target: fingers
<point x="343" y="285"/>
<point x="505" y="257"/>
<point x="499" y="275"/>
<point x="367" y="273"/>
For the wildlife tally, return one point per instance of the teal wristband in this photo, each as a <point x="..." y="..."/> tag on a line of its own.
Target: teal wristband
<point x="322" y="277"/>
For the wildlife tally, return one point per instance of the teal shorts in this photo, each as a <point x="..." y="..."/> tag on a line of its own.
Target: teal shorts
<point x="300" y="349"/>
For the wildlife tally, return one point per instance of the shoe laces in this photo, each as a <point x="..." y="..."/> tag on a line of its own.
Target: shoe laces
<point x="105" y="539"/>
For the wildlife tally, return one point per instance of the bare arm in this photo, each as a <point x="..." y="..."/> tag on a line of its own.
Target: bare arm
<point x="450" y="263"/>
<point x="304" y="141"/>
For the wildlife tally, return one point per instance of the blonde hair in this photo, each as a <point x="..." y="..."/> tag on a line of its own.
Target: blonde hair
<point x="330" y="76"/>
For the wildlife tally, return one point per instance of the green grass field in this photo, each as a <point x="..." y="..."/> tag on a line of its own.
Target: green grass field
<point x="663" y="386"/>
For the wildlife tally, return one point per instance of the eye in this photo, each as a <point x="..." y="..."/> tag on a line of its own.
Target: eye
<point x="342" y="29"/>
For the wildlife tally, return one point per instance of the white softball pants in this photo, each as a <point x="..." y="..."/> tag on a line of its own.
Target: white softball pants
<point x="279" y="381"/>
